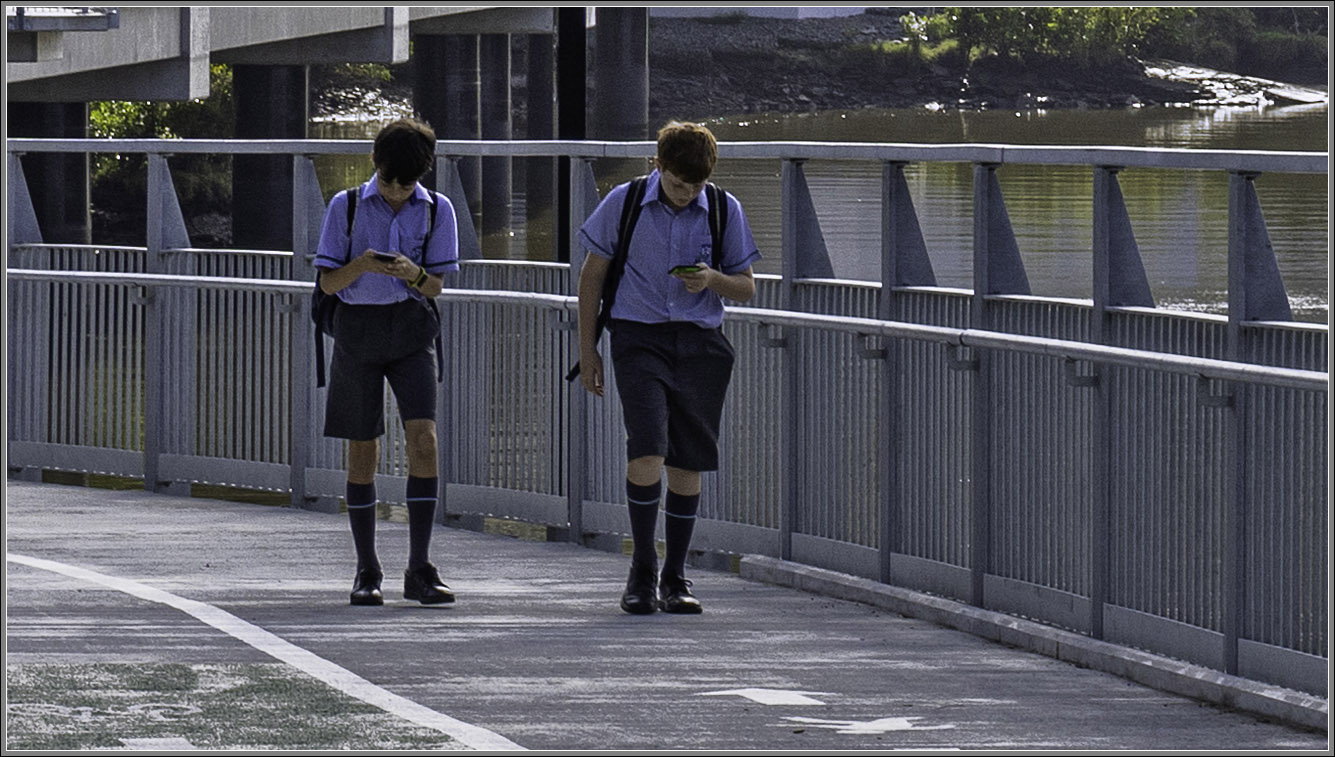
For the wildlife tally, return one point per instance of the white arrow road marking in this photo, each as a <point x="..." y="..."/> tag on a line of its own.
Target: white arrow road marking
<point x="475" y="737"/>
<point x="770" y="696"/>
<point x="880" y="725"/>
<point x="167" y="744"/>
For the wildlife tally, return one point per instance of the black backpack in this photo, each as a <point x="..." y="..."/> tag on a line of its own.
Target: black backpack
<point x="630" y="215"/>
<point x="323" y="306"/>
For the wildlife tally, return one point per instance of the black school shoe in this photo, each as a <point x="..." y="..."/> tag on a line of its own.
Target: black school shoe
<point x="366" y="588"/>
<point x="424" y="585"/>
<point x="641" y="587"/>
<point x="674" y="596"/>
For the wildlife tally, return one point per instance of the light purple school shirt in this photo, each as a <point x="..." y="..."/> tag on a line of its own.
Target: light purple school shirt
<point x="664" y="238"/>
<point x="378" y="227"/>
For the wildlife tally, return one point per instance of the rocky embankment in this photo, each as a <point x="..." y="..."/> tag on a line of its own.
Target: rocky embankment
<point x="703" y="68"/>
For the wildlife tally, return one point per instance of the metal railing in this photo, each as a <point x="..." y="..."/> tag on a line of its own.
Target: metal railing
<point x="1151" y="478"/>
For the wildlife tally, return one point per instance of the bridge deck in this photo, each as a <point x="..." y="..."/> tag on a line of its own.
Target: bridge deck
<point x="535" y="652"/>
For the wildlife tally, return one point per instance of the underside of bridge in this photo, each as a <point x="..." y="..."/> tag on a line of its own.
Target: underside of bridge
<point x="59" y="60"/>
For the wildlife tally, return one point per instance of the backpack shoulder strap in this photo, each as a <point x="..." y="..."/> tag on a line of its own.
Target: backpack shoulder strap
<point x="718" y="221"/>
<point x="351" y="194"/>
<point x="630" y="215"/>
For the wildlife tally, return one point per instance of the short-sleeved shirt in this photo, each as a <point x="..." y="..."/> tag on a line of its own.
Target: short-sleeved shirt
<point x="663" y="238"/>
<point x="378" y="227"/>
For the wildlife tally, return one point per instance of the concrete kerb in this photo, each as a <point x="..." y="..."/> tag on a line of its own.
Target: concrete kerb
<point x="1162" y="673"/>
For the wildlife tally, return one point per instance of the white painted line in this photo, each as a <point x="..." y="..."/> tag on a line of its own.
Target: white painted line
<point x="770" y="696"/>
<point x="174" y="742"/>
<point x="317" y="667"/>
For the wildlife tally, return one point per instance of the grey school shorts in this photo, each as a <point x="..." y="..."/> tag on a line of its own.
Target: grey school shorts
<point x="672" y="379"/>
<point x="373" y="343"/>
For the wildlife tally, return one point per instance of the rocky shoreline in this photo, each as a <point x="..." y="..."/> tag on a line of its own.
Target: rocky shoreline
<point x="701" y="68"/>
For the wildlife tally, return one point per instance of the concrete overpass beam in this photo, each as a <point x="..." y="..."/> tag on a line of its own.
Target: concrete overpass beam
<point x="294" y="36"/>
<point x="33" y="47"/>
<point x="156" y="54"/>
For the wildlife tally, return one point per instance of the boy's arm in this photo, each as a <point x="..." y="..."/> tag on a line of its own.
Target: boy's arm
<point x="591" y="276"/>
<point x="336" y="279"/>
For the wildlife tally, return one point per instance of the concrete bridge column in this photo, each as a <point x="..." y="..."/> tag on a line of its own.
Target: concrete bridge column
<point x="496" y="124"/>
<point x="571" y="74"/>
<point x="57" y="182"/>
<point x="446" y="94"/>
<point x="272" y="102"/>
<point x="621" y="74"/>
<point x="540" y="174"/>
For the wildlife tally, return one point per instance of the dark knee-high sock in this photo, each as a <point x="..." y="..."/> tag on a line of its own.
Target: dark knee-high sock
<point x="361" y="516"/>
<point x="678" y="523"/>
<point x="643" y="504"/>
<point x="421" y="519"/>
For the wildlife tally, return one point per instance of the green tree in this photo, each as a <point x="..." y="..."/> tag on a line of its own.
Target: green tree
<point x="203" y="182"/>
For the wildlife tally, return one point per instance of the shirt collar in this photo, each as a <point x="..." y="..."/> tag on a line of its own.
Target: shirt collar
<point x="369" y="189"/>
<point x="651" y="191"/>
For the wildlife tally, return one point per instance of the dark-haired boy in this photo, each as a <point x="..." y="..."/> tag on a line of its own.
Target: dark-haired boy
<point x="672" y="361"/>
<point x="385" y="329"/>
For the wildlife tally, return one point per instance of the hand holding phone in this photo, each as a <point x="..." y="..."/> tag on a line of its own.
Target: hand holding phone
<point x="385" y="257"/>
<point x="679" y="269"/>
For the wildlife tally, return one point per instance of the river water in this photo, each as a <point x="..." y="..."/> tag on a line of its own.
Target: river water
<point x="1179" y="217"/>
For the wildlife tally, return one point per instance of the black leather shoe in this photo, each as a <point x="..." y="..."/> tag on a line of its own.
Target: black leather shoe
<point x="424" y="585"/>
<point x="366" y="588"/>
<point x="674" y="596"/>
<point x="640" y="590"/>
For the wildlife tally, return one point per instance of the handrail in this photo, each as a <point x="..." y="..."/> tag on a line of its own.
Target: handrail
<point x="1209" y="368"/>
<point x="1145" y="157"/>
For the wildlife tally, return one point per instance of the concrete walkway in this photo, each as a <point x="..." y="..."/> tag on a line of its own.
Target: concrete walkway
<point x="535" y="654"/>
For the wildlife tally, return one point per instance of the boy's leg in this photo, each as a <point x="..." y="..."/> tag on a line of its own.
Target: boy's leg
<point x="413" y="381"/>
<point x="361" y="498"/>
<point x="683" y="501"/>
<point x="422" y="489"/>
<point x="644" y="487"/>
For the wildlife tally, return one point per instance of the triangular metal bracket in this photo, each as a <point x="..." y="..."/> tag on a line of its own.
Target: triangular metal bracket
<point x="21" y="217"/>
<point x="171" y="233"/>
<point x="447" y="168"/>
<point x="1266" y="297"/>
<point x="911" y="265"/>
<point x="813" y="258"/>
<point x="1005" y="272"/>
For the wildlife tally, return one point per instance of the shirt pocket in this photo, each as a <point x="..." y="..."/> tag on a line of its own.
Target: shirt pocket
<point x="411" y="245"/>
<point x="700" y="248"/>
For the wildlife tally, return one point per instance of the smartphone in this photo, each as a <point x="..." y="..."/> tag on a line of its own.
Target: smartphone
<point x="387" y="257"/>
<point x="676" y="269"/>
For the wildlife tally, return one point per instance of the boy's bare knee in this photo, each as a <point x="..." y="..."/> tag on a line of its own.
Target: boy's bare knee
<point x="685" y="482"/>
<point x="422" y="447"/>
<point x="644" y="471"/>
<point x="363" y="458"/>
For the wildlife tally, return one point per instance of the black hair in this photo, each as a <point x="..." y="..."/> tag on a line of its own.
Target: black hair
<point x="404" y="151"/>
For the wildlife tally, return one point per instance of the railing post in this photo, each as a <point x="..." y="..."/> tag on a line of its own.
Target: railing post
<point x="1100" y="424"/>
<point x="167" y="350"/>
<point x="305" y="237"/>
<point x="892" y="175"/>
<point x="1234" y="559"/>
<point x="790" y="443"/>
<point x="583" y="194"/>
<point x="980" y="444"/>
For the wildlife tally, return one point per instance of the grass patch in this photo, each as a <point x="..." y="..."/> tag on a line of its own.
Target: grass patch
<point x="232" y="706"/>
